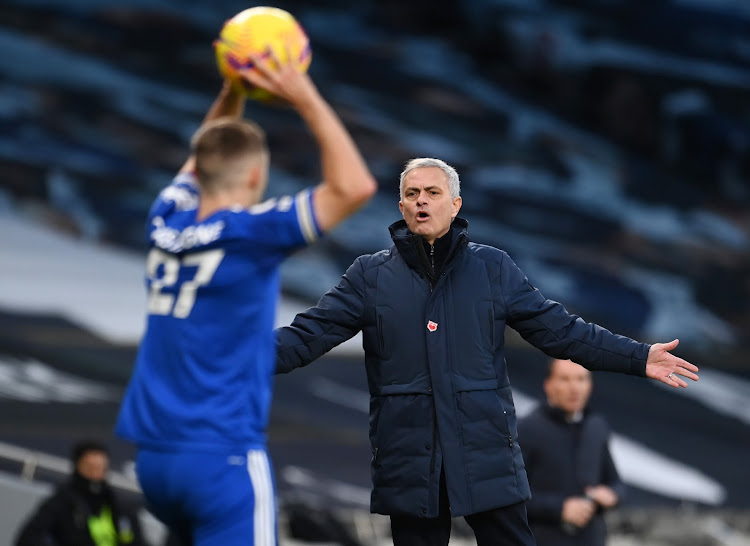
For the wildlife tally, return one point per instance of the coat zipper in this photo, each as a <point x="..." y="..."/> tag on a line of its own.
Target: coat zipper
<point x="427" y="269"/>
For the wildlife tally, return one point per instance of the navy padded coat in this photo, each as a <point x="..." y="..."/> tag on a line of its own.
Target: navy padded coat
<point x="439" y="390"/>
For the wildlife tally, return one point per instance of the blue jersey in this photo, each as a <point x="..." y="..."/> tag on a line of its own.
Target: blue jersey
<point x="204" y="372"/>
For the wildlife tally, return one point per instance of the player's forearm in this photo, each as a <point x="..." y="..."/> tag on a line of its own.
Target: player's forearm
<point x="229" y="103"/>
<point x="343" y="168"/>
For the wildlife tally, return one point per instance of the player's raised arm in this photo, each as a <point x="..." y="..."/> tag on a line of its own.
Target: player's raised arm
<point x="228" y="103"/>
<point x="347" y="182"/>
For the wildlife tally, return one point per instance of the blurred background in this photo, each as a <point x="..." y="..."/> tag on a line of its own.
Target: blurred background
<point x="604" y="144"/>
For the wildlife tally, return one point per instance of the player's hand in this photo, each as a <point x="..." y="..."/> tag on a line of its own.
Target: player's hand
<point x="667" y="368"/>
<point x="603" y="495"/>
<point x="578" y="511"/>
<point x="285" y="81"/>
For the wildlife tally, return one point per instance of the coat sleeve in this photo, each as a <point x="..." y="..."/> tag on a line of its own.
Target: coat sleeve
<point x="39" y="529"/>
<point x="336" y="318"/>
<point x="548" y="326"/>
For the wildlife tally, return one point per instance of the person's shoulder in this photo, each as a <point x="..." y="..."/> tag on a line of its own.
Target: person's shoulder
<point x="179" y="198"/>
<point x="533" y="428"/>
<point x="182" y="192"/>
<point x="486" y="252"/>
<point x="376" y="259"/>
<point x="483" y="250"/>
<point x="277" y="219"/>
<point x="273" y="205"/>
<point x="597" y="420"/>
<point x="62" y="495"/>
<point x="539" y="421"/>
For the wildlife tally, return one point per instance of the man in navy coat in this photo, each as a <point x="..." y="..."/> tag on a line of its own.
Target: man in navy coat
<point x="572" y="475"/>
<point x="432" y="310"/>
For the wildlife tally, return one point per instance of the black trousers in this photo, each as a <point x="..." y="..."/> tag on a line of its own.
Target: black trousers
<point x="506" y="526"/>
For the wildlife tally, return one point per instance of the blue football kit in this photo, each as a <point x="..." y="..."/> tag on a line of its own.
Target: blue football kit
<point x="198" y="402"/>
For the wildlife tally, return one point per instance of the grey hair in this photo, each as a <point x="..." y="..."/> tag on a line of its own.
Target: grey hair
<point x="454" y="184"/>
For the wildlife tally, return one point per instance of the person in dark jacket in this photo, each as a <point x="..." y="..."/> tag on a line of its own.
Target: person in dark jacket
<point x="571" y="473"/>
<point x="83" y="511"/>
<point x="432" y="310"/>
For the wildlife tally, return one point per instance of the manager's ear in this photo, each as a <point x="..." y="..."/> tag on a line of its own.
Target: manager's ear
<point x="457" y="201"/>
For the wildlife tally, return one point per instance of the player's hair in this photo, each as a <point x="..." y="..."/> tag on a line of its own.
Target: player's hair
<point x="219" y="144"/>
<point x="454" y="184"/>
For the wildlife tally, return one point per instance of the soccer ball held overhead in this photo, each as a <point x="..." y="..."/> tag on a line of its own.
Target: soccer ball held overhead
<point x="254" y="31"/>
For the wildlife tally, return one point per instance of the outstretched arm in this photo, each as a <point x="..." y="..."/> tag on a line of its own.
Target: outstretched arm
<point x="665" y="367"/>
<point x="336" y="318"/>
<point x="229" y="103"/>
<point x="347" y="182"/>
<point x="548" y="326"/>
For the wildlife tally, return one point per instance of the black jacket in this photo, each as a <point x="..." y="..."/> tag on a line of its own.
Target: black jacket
<point x="562" y="459"/>
<point x="63" y="518"/>
<point x="440" y="395"/>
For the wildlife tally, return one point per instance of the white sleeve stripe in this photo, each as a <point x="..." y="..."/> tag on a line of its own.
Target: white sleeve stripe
<point x="305" y="216"/>
<point x="186" y="178"/>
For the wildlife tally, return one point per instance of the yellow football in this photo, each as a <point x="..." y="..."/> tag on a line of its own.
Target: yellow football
<point x="254" y="31"/>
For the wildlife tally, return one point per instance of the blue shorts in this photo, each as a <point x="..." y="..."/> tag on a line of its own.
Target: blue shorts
<point x="211" y="499"/>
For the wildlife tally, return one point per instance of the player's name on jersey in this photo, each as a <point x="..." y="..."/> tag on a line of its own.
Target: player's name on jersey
<point x="173" y="240"/>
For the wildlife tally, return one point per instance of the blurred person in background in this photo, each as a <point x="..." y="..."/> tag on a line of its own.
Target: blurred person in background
<point x="198" y="402"/>
<point x="572" y="476"/>
<point x="432" y="310"/>
<point x="83" y="511"/>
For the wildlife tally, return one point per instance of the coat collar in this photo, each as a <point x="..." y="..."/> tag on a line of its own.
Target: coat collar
<point x="411" y="248"/>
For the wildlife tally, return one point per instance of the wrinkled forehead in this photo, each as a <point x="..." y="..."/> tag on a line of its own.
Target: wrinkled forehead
<point x="424" y="177"/>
